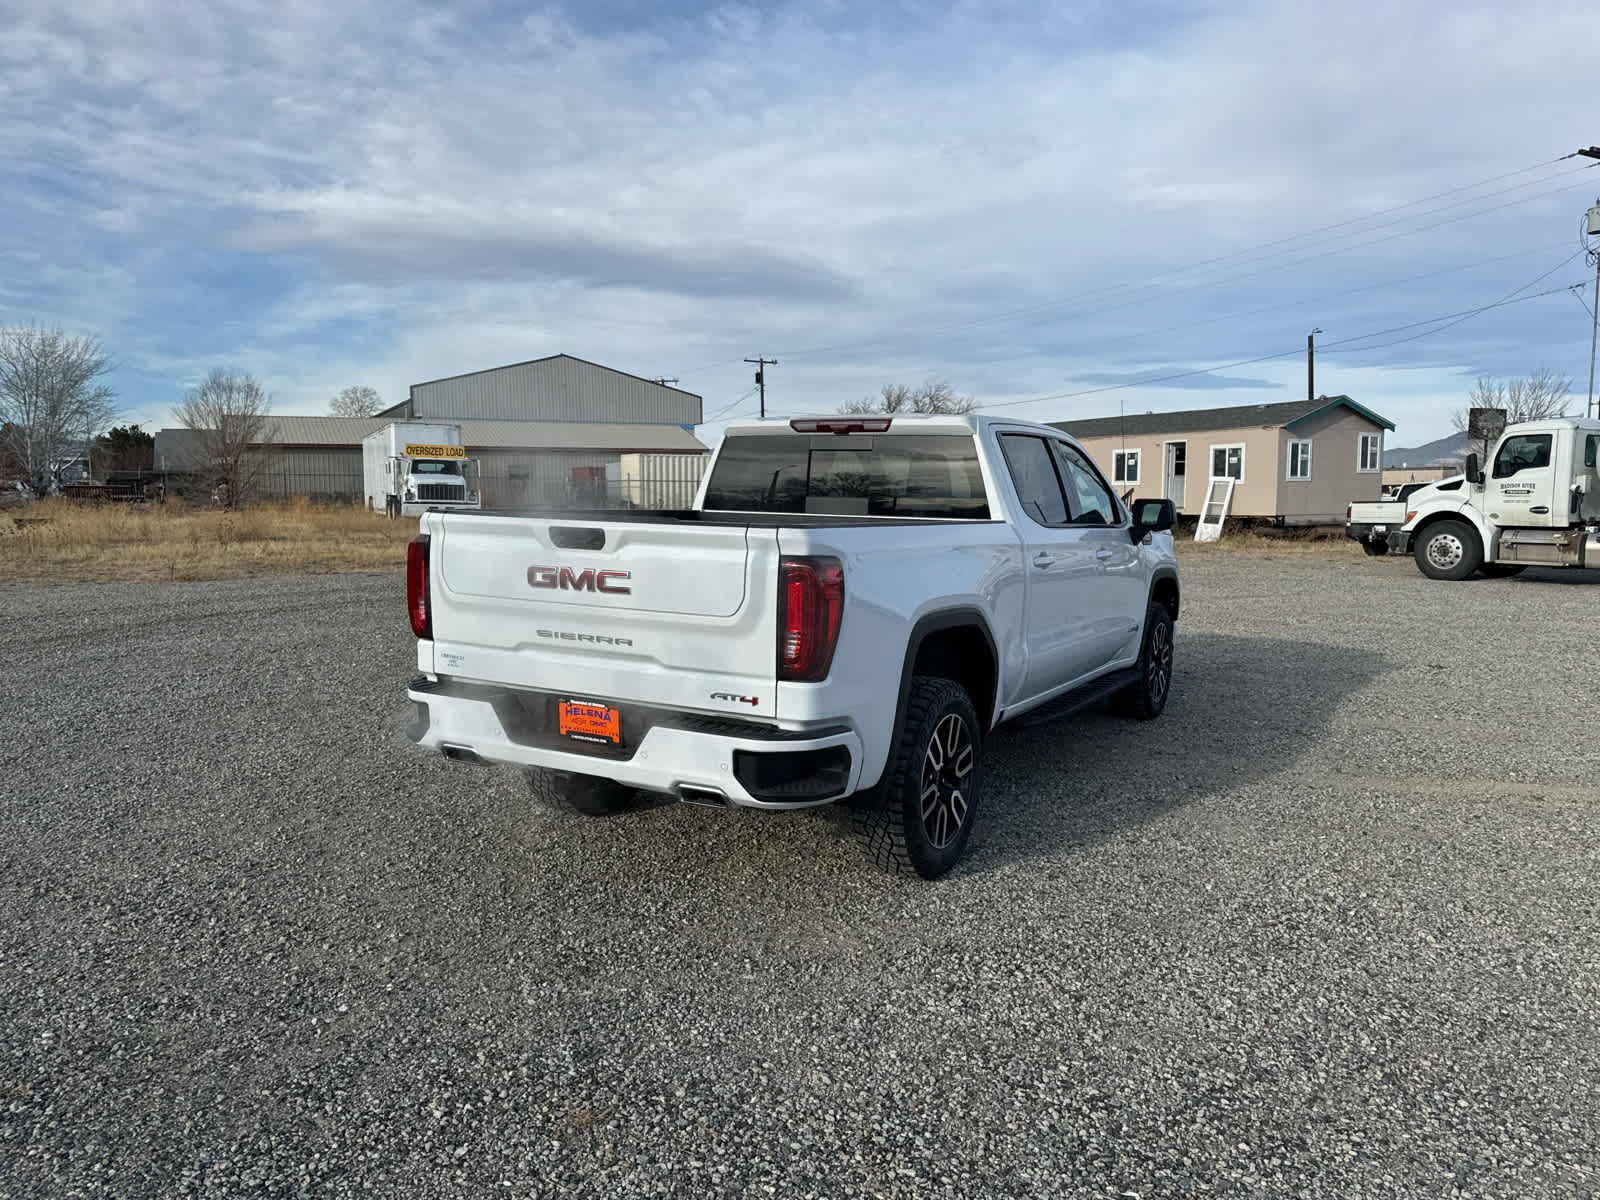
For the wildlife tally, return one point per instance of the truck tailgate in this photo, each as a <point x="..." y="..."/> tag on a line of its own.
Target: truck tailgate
<point x="679" y="615"/>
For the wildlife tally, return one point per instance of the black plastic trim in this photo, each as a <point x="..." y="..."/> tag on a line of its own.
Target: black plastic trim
<point x="793" y="775"/>
<point x="950" y="618"/>
<point x="527" y="716"/>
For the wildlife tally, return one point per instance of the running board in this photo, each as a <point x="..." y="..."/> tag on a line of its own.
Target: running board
<point x="1079" y="699"/>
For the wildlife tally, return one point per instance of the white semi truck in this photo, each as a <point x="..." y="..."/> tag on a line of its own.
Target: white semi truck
<point x="410" y="467"/>
<point x="1535" y="503"/>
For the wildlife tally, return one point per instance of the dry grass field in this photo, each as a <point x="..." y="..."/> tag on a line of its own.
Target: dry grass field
<point x="59" y="541"/>
<point x="63" y="542"/>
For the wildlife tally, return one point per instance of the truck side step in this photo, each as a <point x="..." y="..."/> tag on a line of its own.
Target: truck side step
<point x="1079" y="699"/>
<point x="1547" y="547"/>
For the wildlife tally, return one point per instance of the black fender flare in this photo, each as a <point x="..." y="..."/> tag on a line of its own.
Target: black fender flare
<point x="937" y="622"/>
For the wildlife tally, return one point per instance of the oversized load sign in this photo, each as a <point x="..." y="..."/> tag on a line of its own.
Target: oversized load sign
<point x="418" y="450"/>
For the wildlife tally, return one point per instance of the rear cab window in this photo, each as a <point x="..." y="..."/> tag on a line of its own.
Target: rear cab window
<point x="928" y="475"/>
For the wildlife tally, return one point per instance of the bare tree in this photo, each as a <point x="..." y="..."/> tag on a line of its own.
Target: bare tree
<point x="355" y="401"/>
<point x="229" y="413"/>
<point x="50" y="400"/>
<point x="1540" y="395"/>
<point x="935" y="397"/>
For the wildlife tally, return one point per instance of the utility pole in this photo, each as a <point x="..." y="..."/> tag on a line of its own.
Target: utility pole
<point x="1311" y="353"/>
<point x="761" y="377"/>
<point x="1593" y="227"/>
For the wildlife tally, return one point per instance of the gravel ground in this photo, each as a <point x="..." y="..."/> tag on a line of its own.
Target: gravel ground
<point x="1329" y="928"/>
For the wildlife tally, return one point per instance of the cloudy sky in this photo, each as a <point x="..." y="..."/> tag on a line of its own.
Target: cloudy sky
<point x="1034" y="202"/>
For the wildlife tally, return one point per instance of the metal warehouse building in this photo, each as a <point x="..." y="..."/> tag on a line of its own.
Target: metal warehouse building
<point x="546" y="432"/>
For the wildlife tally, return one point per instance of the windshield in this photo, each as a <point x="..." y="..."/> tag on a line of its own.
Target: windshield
<point x="435" y="466"/>
<point x="879" y="475"/>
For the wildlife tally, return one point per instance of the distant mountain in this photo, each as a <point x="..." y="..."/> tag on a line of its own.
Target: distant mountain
<point x="1452" y="449"/>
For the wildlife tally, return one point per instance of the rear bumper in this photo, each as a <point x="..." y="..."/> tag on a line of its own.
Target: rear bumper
<point x="1392" y="536"/>
<point x="742" y="762"/>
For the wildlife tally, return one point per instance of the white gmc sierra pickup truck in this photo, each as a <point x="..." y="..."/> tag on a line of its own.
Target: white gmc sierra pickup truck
<point x="851" y="605"/>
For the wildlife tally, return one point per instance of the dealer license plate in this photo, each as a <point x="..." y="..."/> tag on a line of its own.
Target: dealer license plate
<point x="586" y="721"/>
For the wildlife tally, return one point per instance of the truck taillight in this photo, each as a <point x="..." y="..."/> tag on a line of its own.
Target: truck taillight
<point x="810" y="603"/>
<point x="417" y="586"/>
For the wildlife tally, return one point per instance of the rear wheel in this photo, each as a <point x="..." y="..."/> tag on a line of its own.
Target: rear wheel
<point x="1373" y="548"/>
<point x="917" y="821"/>
<point x="585" y="794"/>
<point x="1448" y="550"/>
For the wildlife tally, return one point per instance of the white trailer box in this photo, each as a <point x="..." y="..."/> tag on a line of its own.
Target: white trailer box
<point x="409" y="467"/>
<point x="658" y="481"/>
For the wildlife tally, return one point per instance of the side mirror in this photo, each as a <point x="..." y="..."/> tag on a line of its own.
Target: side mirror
<point x="1152" y="516"/>
<point x="1474" y="474"/>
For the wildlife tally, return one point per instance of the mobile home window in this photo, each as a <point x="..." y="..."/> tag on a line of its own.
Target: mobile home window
<point x="1367" y="453"/>
<point x="1227" y="462"/>
<point x="1299" y="459"/>
<point x="1125" y="466"/>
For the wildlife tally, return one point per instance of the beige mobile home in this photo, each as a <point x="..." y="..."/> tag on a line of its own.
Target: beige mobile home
<point x="1297" y="463"/>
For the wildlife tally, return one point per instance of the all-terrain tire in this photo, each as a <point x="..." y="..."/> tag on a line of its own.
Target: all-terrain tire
<point x="586" y="794"/>
<point x="918" y="819"/>
<point x="1146" y="698"/>
<point x="1448" y="550"/>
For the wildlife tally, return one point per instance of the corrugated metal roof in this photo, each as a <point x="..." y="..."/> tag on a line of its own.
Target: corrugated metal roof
<point x="579" y="435"/>
<point x="293" y="430"/>
<point x="1198" y="420"/>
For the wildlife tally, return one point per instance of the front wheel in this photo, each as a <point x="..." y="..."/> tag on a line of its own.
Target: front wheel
<point x="1146" y="698"/>
<point x="1449" y="550"/>
<point x="917" y="821"/>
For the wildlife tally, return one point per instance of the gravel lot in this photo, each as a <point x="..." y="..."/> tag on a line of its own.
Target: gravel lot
<point x="1330" y="928"/>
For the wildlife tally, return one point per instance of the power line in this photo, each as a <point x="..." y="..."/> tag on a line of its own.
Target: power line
<point x="1250" y="256"/>
<point x="1506" y="299"/>
<point x="1245" y="362"/>
<point x="1295" y="238"/>
<point x="722" y="412"/>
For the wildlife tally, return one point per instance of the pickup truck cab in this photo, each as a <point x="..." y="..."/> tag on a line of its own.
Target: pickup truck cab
<point x="850" y="606"/>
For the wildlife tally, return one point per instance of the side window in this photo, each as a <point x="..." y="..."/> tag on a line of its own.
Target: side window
<point x="1087" y="495"/>
<point x="1368" y="457"/>
<point x="1524" y="452"/>
<point x="1039" y="489"/>
<point x="1227" y="462"/>
<point x="1299" y="465"/>
<point x="1591" y="451"/>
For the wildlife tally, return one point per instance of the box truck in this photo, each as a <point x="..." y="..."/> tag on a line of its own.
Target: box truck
<point x="410" y="467"/>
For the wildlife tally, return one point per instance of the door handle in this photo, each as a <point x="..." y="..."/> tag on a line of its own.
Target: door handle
<point x="1104" y="552"/>
<point x="1042" y="559"/>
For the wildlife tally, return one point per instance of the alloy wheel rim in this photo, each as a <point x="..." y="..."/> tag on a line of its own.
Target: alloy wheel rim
<point x="1159" y="675"/>
<point x="947" y="768"/>
<point x="1445" y="550"/>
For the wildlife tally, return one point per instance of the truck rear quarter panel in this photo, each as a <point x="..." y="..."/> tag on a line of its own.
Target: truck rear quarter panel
<point x="894" y="577"/>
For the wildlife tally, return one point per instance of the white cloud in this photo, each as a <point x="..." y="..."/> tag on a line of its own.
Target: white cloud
<point x="979" y="192"/>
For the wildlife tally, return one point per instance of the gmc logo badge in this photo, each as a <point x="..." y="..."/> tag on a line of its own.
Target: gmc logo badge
<point x="589" y="580"/>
